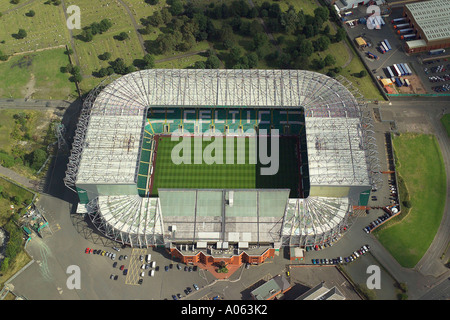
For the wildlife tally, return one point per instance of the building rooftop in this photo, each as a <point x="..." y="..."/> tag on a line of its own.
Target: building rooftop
<point x="321" y="292"/>
<point x="274" y="286"/>
<point x="336" y="155"/>
<point x="433" y="17"/>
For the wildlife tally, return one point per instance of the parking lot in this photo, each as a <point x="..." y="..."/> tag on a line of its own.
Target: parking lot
<point x="422" y="81"/>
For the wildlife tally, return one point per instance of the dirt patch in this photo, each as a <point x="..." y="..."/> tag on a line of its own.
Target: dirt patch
<point x="29" y="89"/>
<point x="416" y="86"/>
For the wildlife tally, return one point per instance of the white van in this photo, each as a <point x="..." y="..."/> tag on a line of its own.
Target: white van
<point x="152" y="273"/>
<point x="153" y="264"/>
<point x="149" y="256"/>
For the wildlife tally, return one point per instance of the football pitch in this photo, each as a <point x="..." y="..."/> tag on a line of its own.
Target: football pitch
<point x="238" y="168"/>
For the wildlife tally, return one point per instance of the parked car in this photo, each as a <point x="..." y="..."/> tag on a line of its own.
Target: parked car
<point x="195" y="286"/>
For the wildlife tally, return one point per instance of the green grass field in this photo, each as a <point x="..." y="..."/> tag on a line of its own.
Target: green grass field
<point x="223" y="176"/>
<point x="36" y="76"/>
<point x="446" y="122"/>
<point x="421" y="166"/>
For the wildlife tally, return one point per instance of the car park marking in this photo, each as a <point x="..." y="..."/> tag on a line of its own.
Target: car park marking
<point x="134" y="266"/>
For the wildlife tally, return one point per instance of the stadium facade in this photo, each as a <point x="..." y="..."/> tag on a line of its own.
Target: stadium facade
<point x="111" y="162"/>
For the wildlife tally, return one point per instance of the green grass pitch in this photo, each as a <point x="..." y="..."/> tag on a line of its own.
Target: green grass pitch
<point x="247" y="175"/>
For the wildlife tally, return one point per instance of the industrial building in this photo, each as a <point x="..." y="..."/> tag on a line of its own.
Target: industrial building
<point x="322" y="292"/>
<point x="205" y="226"/>
<point x="430" y="21"/>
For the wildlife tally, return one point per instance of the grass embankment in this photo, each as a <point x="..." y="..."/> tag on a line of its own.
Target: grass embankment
<point x="446" y="122"/>
<point x="18" y="196"/>
<point x="420" y="167"/>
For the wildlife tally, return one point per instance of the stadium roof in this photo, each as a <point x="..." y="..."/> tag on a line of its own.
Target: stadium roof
<point x="335" y="152"/>
<point x="433" y="17"/>
<point x="107" y="145"/>
<point x="110" y="150"/>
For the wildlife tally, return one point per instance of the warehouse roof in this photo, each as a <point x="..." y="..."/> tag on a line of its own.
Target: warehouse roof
<point x="433" y="17"/>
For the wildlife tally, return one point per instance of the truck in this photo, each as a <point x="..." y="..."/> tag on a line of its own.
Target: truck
<point x="401" y="31"/>
<point x="408" y="37"/>
<point x="396" y="70"/>
<point x="391" y="74"/>
<point x="371" y="55"/>
<point x="402" y="71"/>
<point x="384" y="46"/>
<point x="397" y="20"/>
<point x="382" y="50"/>
<point x="407" y="69"/>
<point x="402" y="25"/>
<point x="436" y="51"/>
<point x="398" y="82"/>
<point x="388" y="45"/>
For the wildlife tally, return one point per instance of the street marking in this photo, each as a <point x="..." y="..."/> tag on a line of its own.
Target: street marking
<point x="134" y="267"/>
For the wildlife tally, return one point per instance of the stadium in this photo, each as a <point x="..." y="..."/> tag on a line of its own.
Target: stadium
<point x="122" y="161"/>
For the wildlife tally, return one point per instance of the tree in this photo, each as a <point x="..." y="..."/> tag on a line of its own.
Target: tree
<point x="30" y="13"/>
<point x="176" y="8"/>
<point x="363" y="73"/>
<point x="104" y="25"/>
<point x="329" y="60"/>
<point x="75" y="70"/>
<point x="103" y="72"/>
<point x="76" y="77"/>
<point x="167" y="16"/>
<point x="5" y="265"/>
<point x="105" y="56"/>
<point x="322" y="13"/>
<point x="212" y="62"/>
<point x="87" y="35"/>
<point x="149" y="61"/>
<point x="340" y="35"/>
<point x="308" y="31"/>
<point x="322" y="43"/>
<point x="274" y="11"/>
<point x="119" y="66"/>
<point x="21" y="34"/>
<point x="305" y="48"/>
<point x="235" y="53"/>
<point x="122" y="36"/>
<point x="259" y="40"/>
<point x="199" y="65"/>
<point x="38" y="159"/>
<point x="156" y="19"/>
<point x="3" y="57"/>
<point x="252" y="60"/>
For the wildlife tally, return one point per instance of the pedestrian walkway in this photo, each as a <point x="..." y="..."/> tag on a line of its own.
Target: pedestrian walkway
<point x="213" y="270"/>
